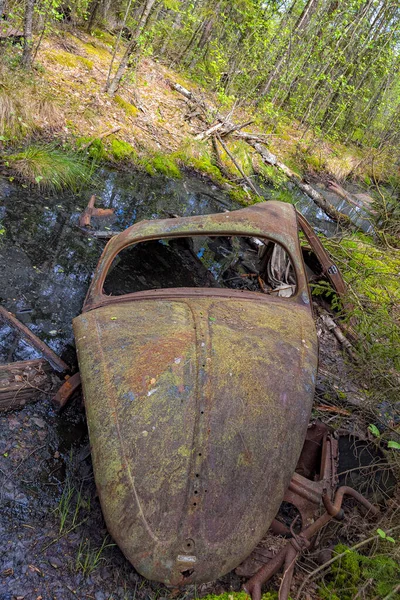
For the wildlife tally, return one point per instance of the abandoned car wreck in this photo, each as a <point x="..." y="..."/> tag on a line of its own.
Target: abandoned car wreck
<point x="198" y="402"/>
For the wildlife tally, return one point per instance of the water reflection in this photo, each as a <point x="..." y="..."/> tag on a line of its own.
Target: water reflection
<point x="46" y="262"/>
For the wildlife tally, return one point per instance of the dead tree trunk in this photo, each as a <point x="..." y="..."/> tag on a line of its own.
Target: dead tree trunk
<point x="28" y="20"/>
<point x="23" y="382"/>
<point x="131" y="49"/>
<point x="270" y="159"/>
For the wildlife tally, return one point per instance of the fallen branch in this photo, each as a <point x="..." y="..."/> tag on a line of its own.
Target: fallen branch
<point x="337" y="332"/>
<point x="224" y="128"/>
<point x="23" y="382"/>
<point x="55" y="361"/>
<point x="239" y="168"/>
<point x="204" y="134"/>
<point x="332" y="409"/>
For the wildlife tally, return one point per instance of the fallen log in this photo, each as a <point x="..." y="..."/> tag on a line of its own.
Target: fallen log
<point x="208" y="132"/>
<point x="23" y="382"/>
<point x="270" y="159"/>
<point x="224" y="128"/>
<point x="56" y="362"/>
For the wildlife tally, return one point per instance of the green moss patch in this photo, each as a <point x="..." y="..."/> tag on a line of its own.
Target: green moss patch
<point x="104" y="36"/>
<point x="67" y="59"/>
<point x="94" y="147"/>
<point x="162" y="163"/>
<point x="353" y="570"/>
<point x="121" y="150"/>
<point x="129" y="108"/>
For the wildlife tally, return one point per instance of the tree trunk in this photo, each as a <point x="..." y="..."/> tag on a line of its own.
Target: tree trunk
<point x="131" y="49"/>
<point x="28" y="20"/>
<point x="300" y="25"/>
<point x="94" y="7"/>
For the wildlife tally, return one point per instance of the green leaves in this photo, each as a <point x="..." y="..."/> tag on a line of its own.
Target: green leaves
<point x="374" y="430"/>
<point x="384" y="536"/>
<point x="394" y="445"/>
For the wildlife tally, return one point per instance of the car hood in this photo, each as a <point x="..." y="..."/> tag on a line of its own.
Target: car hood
<point x="197" y="410"/>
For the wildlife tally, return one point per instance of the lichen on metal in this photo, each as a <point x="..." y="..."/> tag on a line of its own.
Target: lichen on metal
<point x="197" y="402"/>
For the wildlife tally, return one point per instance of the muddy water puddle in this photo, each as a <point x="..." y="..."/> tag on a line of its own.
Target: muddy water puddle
<point x="46" y="262"/>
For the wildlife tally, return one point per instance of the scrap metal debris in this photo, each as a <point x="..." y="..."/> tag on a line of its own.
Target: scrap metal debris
<point x="91" y="211"/>
<point x="313" y="485"/>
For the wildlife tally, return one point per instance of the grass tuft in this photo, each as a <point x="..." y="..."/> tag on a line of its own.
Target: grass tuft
<point x="88" y="559"/>
<point x="49" y="167"/>
<point x="16" y="120"/>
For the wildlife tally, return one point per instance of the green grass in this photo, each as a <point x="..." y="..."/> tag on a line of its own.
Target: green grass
<point x="88" y="559"/>
<point x="69" y="506"/>
<point x="16" y="119"/>
<point x="48" y="167"/>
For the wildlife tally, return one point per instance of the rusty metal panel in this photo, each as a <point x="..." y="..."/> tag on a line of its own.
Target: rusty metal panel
<point x="197" y="402"/>
<point x="275" y="221"/>
<point x="197" y="411"/>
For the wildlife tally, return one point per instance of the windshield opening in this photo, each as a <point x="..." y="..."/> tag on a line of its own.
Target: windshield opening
<point x="234" y="262"/>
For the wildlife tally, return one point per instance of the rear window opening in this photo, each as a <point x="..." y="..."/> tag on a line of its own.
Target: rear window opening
<point x="233" y="262"/>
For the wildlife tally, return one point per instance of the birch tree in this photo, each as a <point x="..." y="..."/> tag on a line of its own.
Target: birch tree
<point x="132" y="50"/>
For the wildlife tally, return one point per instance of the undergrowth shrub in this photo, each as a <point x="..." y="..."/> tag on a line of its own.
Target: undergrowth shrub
<point x="372" y="308"/>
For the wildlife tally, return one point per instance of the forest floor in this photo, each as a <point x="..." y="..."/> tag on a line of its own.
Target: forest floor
<point x="54" y="544"/>
<point x="63" y="100"/>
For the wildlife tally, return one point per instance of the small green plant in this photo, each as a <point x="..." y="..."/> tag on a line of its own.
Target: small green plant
<point x="68" y="509"/>
<point x="385" y="536"/>
<point x="88" y="559"/>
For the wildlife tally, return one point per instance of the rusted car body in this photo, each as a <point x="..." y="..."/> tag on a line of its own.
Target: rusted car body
<point x="197" y="403"/>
